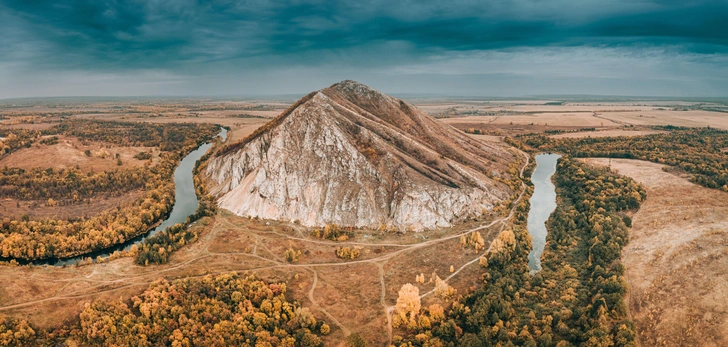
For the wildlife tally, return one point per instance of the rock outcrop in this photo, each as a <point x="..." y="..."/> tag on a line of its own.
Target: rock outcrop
<point x="353" y="156"/>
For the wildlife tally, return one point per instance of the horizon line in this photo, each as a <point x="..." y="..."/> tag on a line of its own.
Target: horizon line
<point x="401" y="95"/>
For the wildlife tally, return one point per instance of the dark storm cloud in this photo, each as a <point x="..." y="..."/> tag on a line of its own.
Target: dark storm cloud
<point x="224" y="47"/>
<point x="169" y="34"/>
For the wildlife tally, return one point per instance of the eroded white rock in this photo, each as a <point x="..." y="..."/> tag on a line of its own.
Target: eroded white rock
<point x="353" y="156"/>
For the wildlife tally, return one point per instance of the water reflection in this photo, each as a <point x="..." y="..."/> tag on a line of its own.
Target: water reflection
<point x="543" y="203"/>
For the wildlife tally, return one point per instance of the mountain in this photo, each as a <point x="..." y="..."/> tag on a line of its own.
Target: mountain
<point x="353" y="156"/>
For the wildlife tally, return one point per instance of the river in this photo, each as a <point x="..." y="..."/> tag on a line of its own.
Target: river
<point x="185" y="204"/>
<point x="543" y="203"/>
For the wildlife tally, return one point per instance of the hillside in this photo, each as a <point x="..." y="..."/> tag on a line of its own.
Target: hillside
<point x="353" y="156"/>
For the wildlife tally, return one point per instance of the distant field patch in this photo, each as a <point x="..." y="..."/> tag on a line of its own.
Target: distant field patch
<point x="69" y="152"/>
<point x="691" y="118"/>
<point x="36" y="210"/>
<point x="567" y="119"/>
<point x="491" y="138"/>
<point x="607" y="133"/>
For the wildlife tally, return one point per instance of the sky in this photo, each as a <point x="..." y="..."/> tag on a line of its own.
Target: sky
<point x="494" y="48"/>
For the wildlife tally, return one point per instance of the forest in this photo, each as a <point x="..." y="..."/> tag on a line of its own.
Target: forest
<point x="700" y="152"/>
<point x="167" y="137"/>
<point x="578" y="297"/>
<point x="39" y="183"/>
<point x="214" y="310"/>
<point x="12" y="140"/>
<point x="25" y="239"/>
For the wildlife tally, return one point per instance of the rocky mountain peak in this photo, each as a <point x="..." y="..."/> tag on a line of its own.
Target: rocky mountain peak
<point x="353" y="89"/>
<point x="351" y="155"/>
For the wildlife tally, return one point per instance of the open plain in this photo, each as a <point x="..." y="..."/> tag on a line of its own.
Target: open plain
<point x="578" y="119"/>
<point x="676" y="260"/>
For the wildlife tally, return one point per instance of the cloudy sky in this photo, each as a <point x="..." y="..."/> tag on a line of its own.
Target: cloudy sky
<point x="453" y="47"/>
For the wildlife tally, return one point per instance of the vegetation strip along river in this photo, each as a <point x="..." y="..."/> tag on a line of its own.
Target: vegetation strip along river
<point x="185" y="204"/>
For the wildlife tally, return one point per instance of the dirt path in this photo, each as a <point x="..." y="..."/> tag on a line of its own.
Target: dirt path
<point x="318" y="307"/>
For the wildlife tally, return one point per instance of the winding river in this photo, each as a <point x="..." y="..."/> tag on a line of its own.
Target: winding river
<point x="543" y="203"/>
<point x="185" y="204"/>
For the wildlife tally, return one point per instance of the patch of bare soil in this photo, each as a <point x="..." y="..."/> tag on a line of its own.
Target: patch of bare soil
<point x="30" y="126"/>
<point x="497" y="130"/>
<point x="607" y="133"/>
<point x="491" y="138"/>
<point x="15" y="209"/>
<point x="677" y="259"/>
<point x="691" y="118"/>
<point x="566" y="119"/>
<point x="69" y="153"/>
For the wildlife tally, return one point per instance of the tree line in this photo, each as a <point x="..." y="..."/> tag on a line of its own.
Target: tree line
<point x="578" y="297"/>
<point x="38" y="183"/>
<point x="221" y="310"/>
<point x="167" y="137"/>
<point x="15" y="139"/>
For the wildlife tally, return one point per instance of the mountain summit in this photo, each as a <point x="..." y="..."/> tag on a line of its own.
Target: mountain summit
<point x="353" y="156"/>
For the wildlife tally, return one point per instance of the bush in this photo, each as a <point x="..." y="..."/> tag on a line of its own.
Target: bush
<point x="293" y="255"/>
<point x="627" y="221"/>
<point x="143" y="155"/>
<point x="348" y="252"/>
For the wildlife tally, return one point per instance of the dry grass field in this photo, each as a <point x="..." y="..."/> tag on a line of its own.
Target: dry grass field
<point x="566" y="119"/>
<point x="677" y="259"/>
<point x="514" y="117"/>
<point x="30" y="126"/>
<point x="691" y="118"/>
<point x="69" y="153"/>
<point x="608" y="133"/>
<point x="492" y="138"/>
<point x="572" y="107"/>
<point x="350" y="295"/>
<point x="240" y="116"/>
<point x="36" y="209"/>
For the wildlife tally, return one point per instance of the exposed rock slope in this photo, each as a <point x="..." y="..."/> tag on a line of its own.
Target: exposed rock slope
<point x="353" y="156"/>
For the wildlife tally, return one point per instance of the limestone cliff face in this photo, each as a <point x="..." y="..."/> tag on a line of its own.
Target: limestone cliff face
<point x="356" y="157"/>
